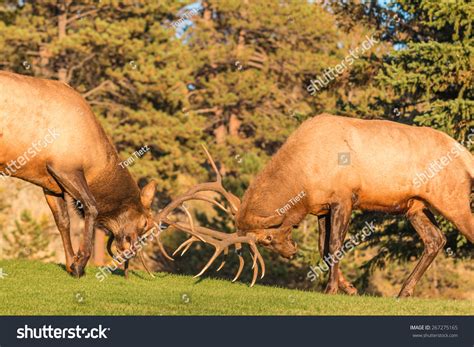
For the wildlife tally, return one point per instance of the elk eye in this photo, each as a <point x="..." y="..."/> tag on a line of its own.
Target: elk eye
<point x="269" y="238"/>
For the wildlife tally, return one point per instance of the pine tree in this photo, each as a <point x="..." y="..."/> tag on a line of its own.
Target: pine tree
<point x="29" y="239"/>
<point x="431" y="71"/>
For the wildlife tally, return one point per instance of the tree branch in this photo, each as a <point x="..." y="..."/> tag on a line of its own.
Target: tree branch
<point x="75" y="67"/>
<point x="207" y="110"/>
<point x="81" y="15"/>
<point x="100" y="87"/>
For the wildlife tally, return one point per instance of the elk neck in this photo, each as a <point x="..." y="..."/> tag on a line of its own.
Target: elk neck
<point x="277" y="195"/>
<point x="116" y="194"/>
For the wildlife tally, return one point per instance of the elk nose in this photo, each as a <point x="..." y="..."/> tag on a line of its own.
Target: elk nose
<point x="128" y="244"/>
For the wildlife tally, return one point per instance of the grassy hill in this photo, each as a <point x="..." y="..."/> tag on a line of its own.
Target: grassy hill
<point x="35" y="288"/>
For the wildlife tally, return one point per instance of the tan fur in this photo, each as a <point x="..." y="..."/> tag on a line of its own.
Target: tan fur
<point x="385" y="159"/>
<point x="81" y="162"/>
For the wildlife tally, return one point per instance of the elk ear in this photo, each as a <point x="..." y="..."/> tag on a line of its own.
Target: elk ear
<point x="147" y="194"/>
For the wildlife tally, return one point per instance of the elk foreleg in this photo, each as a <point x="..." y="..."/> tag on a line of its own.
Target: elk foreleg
<point x="324" y="233"/>
<point x="58" y="207"/>
<point x="340" y="216"/>
<point x="74" y="183"/>
<point x="433" y="239"/>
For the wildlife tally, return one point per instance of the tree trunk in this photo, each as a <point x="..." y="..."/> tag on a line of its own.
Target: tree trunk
<point x="234" y="125"/>
<point x="62" y="25"/>
<point x="220" y="133"/>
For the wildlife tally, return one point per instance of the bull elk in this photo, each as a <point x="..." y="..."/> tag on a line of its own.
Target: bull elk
<point x="382" y="165"/>
<point x="383" y="161"/>
<point x="75" y="163"/>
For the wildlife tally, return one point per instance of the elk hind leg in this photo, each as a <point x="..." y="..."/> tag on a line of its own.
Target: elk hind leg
<point x="459" y="213"/>
<point x="433" y="239"/>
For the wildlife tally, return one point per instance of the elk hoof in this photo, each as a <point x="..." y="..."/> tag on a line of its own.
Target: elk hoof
<point x="405" y="294"/>
<point x="77" y="267"/>
<point x="331" y="290"/>
<point x="77" y="270"/>
<point x="69" y="269"/>
<point x="349" y="289"/>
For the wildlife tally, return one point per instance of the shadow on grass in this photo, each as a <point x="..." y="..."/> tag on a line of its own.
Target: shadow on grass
<point x="147" y="277"/>
<point x="62" y="267"/>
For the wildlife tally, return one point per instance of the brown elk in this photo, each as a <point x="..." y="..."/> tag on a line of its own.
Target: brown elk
<point x="335" y="165"/>
<point x="77" y="162"/>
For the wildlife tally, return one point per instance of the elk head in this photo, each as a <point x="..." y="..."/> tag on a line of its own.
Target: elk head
<point x="271" y="207"/>
<point x="128" y="228"/>
<point x="271" y="231"/>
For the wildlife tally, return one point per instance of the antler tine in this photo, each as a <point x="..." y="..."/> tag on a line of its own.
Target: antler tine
<point x="222" y="245"/>
<point x="231" y="198"/>
<point x="190" y="218"/>
<point x="191" y="194"/>
<point x="186" y="244"/>
<point x="202" y="233"/>
<point x="209" y="263"/>
<point x="255" y="272"/>
<point x="259" y="258"/>
<point x="160" y="245"/>
<point x="226" y="251"/>
<point x="212" y="201"/>
<point x="187" y="228"/>
<point x="213" y="164"/>
<point x="239" y="271"/>
<point x="142" y="259"/>
<point x="238" y="247"/>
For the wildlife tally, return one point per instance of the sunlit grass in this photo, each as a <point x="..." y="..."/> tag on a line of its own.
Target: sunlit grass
<point x="34" y="288"/>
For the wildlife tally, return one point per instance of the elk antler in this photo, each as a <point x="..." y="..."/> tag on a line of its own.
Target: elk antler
<point x="220" y="240"/>
<point x="140" y="254"/>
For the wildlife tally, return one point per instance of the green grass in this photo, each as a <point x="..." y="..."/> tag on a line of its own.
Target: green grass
<point x="34" y="288"/>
